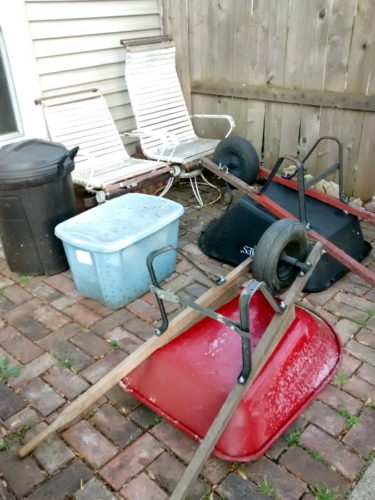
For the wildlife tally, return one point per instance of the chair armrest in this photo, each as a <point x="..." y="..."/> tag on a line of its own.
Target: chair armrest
<point x="167" y="139"/>
<point x="226" y="117"/>
<point x="152" y="133"/>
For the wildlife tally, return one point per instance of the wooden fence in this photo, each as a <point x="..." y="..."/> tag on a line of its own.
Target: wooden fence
<point x="288" y="71"/>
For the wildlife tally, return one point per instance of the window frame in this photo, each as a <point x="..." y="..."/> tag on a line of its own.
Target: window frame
<point x="22" y="66"/>
<point x="12" y="94"/>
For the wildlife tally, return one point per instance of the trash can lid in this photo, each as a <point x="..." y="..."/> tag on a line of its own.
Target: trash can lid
<point x="118" y="223"/>
<point x="29" y="158"/>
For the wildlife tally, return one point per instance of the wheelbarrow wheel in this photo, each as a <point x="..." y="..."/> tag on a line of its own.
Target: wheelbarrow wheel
<point x="239" y="155"/>
<point x="283" y="237"/>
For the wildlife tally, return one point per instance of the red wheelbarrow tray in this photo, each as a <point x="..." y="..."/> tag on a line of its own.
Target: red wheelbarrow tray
<point x="188" y="380"/>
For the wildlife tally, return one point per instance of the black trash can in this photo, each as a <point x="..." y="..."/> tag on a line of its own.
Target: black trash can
<point x="36" y="194"/>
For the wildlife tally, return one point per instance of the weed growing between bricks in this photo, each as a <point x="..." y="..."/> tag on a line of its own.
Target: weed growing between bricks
<point x="7" y="371"/>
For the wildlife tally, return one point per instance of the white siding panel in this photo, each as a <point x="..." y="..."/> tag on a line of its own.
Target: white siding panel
<point x="106" y="87"/>
<point x="89" y="76"/>
<point x="77" y="46"/>
<point x="72" y="45"/>
<point x="82" y="27"/>
<point x="70" y="62"/>
<point x="52" y="11"/>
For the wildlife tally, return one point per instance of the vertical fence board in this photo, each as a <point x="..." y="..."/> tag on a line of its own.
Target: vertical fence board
<point x="241" y="61"/>
<point x="337" y="60"/>
<point x="203" y="36"/>
<point x="275" y="75"/>
<point x="360" y="65"/>
<point x="258" y="25"/>
<point x="175" y="23"/>
<point x="294" y="63"/>
<point x="318" y="12"/>
<point x="364" y="180"/>
<point x="225" y="63"/>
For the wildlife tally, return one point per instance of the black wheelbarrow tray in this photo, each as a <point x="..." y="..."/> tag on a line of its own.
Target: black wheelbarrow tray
<point x="331" y="221"/>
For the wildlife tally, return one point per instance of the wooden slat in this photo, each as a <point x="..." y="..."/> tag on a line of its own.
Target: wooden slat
<point x="259" y="15"/>
<point x="337" y="58"/>
<point x="240" y="66"/>
<point x="175" y="23"/>
<point x="364" y="185"/>
<point x="225" y="61"/>
<point x="275" y="74"/>
<point x="204" y="42"/>
<point x="306" y="97"/>
<point x="360" y="69"/>
<point x="295" y="54"/>
<point x="316" y="35"/>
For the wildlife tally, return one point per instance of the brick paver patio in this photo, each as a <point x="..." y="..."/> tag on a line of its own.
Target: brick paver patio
<point x="120" y="449"/>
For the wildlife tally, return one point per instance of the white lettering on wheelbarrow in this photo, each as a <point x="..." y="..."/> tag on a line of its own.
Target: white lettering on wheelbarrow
<point x="248" y="250"/>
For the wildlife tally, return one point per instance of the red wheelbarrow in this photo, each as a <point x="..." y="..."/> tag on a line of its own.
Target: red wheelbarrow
<point x="255" y="363"/>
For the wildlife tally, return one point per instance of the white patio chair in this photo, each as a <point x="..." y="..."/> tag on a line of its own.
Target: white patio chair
<point x="102" y="164"/>
<point x="163" y="123"/>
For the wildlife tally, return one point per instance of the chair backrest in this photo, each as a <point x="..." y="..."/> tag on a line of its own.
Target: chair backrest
<point x="83" y="119"/>
<point x="155" y="93"/>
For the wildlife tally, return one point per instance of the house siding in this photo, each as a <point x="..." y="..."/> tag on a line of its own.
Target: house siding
<point x="77" y="46"/>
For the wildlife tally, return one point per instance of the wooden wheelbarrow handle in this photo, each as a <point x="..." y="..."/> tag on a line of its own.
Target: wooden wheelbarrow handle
<point x="213" y="298"/>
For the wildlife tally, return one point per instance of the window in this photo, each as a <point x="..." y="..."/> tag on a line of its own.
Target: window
<point x="10" y="124"/>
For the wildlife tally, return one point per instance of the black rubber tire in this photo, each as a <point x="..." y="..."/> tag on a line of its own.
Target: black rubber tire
<point x="239" y="155"/>
<point x="284" y="235"/>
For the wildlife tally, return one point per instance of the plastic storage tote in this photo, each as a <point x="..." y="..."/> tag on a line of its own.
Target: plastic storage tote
<point x="36" y="193"/>
<point x="107" y="246"/>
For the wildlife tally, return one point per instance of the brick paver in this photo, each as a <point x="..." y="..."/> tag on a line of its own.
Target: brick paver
<point x="120" y="449"/>
<point x="113" y="425"/>
<point x="90" y="444"/>
<point x="131" y="461"/>
<point x="21" y="477"/>
<point x="235" y="487"/>
<point x="53" y="453"/>
<point x="284" y="484"/>
<point x="94" y="489"/>
<point x="339" y="456"/>
<point x="10" y="402"/>
<point x="42" y="396"/>
<point x="142" y="487"/>
<point x="325" y="417"/>
<point x="312" y="471"/>
<point x="34" y="369"/>
<point x="64" y="483"/>
<point x="65" y="381"/>
<point x="167" y="470"/>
